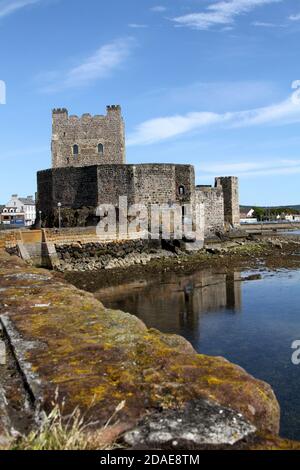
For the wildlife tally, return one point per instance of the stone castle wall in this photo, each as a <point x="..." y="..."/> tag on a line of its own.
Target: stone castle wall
<point x="87" y="133"/>
<point x="82" y="190"/>
<point x="230" y="185"/>
<point x="72" y="187"/>
<point x="160" y="183"/>
<point x="114" y="181"/>
<point x="213" y="201"/>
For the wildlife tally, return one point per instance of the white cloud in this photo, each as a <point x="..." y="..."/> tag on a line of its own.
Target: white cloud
<point x="264" y="24"/>
<point x="159" y="9"/>
<point x="163" y="128"/>
<point x="251" y="168"/>
<point x="137" y="25"/>
<point x="220" y="13"/>
<point x="8" y="7"/>
<point x="99" y="65"/>
<point x="159" y="129"/>
<point x="295" y="17"/>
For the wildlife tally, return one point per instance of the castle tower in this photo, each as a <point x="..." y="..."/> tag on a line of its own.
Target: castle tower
<point x="89" y="140"/>
<point x="230" y="186"/>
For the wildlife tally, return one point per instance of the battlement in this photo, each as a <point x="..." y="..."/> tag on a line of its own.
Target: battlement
<point x="207" y="188"/>
<point x="113" y="107"/>
<point x="87" y="140"/>
<point x="112" y="110"/>
<point x="60" y="111"/>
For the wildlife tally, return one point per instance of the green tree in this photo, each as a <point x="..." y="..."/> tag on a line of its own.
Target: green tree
<point x="259" y="213"/>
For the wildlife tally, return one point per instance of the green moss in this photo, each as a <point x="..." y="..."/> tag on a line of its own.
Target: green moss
<point x="99" y="356"/>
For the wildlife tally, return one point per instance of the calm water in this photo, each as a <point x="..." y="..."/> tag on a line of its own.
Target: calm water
<point x="251" y="323"/>
<point x="293" y="232"/>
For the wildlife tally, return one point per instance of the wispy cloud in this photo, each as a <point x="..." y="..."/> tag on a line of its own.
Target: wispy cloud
<point x="101" y="64"/>
<point x="8" y="7"/>
<point x="220" y="13"/>
<point x="158" y="9"/>
<point x="251" y="168"/>
<point x="137" y="26"/>
<point x="265" y="24"/>
<point x="159" y="129"/>
<point x="295" y="17"/>
<point x="163" y="128"/>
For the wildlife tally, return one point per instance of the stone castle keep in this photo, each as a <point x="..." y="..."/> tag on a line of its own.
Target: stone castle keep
<point x="89" y="169"/>
<point x="89" y="140"/>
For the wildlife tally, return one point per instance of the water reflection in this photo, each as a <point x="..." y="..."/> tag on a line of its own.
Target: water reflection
<point x="252" y="324"/>
<point x="177" y="304"/>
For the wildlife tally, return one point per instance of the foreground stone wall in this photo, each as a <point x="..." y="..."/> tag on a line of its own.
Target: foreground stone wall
<point x="67" y="343"/>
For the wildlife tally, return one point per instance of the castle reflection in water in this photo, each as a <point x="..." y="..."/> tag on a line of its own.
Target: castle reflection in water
<point x="174" y="304"/>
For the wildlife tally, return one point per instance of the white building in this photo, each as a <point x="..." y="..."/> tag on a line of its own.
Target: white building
<point x="19" y="211"/>
<point x="248" y="218"/>
<point x="292" y="217"/>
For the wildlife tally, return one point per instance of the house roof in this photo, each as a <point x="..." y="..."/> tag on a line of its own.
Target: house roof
<point x="27" y="201"/>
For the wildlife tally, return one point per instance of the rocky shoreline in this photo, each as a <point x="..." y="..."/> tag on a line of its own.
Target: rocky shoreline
<point x="96" y="256"/>
<point x="248" y="253"/>
<point x="77" y="257"/>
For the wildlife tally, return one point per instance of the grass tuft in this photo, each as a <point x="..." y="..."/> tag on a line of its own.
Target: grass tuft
<point x="57" y="432"/>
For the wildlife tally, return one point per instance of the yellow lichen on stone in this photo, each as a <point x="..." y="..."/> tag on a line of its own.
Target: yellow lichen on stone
<point x="97" y="357"/>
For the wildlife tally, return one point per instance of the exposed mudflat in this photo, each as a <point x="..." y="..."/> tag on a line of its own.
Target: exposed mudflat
<point x="260" y="253"/>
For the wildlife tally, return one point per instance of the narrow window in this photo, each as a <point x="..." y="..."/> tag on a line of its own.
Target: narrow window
<point x="100" y="149"/>
<point x="75" y="149"/>
<point x="181" y="190"/>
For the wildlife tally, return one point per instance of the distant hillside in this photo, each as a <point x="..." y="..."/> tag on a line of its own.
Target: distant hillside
<point x="247" y="208"/>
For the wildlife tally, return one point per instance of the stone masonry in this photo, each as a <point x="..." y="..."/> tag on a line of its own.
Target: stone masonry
<point x="89" y="170"/>
<point x="230" y="185"/>
<point x="89" y="140"/>
<point x="89" y="187"/>
<point x="213" y="200"/>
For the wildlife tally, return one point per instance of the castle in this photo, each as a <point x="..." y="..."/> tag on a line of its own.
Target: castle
<point x="89" y="169"/>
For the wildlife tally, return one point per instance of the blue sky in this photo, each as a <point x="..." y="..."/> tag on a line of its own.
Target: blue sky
<point x="208" y="82"/>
